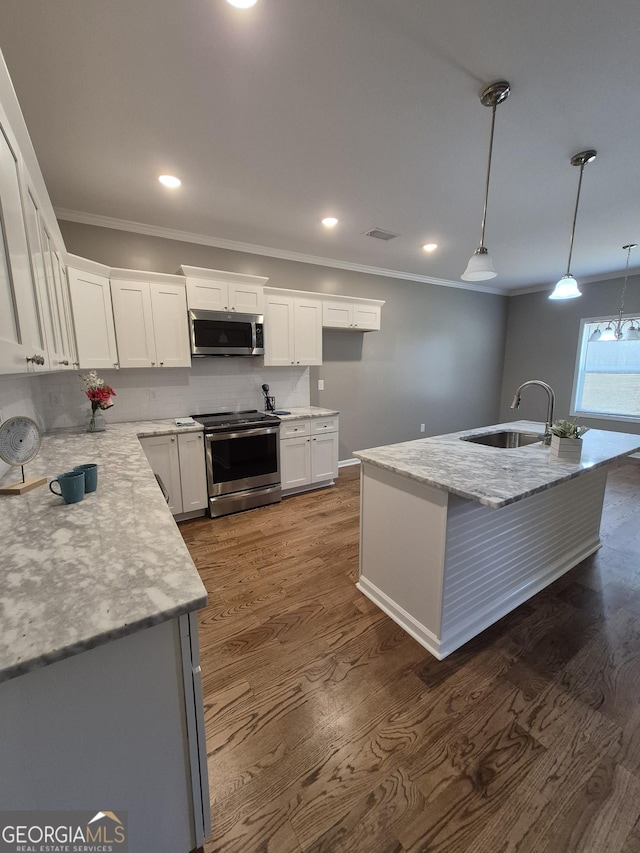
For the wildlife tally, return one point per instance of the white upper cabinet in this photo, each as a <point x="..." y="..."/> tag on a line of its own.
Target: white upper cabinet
<point x="293" y="330"/>
<point x="93" y="319"/>
<point x="22" y="340"/>
<point x="151" y="323"/>
<point x="357" y="315"/>
<point x="216" y="290"/>
<point x="169" y="311"/>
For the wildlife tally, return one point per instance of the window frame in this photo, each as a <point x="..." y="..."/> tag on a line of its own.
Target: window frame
<point x="578" y="374"/>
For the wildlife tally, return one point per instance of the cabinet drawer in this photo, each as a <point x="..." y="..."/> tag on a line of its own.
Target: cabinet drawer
<point x="288" y="429"/>
<point x="319" y="425"/>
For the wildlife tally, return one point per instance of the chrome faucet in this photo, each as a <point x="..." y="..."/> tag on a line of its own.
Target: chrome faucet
<point x="515" y="404"/>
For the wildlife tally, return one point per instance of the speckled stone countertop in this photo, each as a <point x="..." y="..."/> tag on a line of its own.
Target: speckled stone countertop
<point x="308" y="412"/>
<point x="493" y="476"/>
<point x="76" y="576"/>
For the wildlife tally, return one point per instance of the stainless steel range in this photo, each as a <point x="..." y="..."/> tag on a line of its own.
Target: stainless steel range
<point x="243" y="460"/>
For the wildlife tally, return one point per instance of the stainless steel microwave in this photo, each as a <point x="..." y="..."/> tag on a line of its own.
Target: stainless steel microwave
<point x="225" y="333"/>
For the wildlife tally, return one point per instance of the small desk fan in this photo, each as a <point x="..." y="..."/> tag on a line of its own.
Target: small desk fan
<point x="19" y="443"/>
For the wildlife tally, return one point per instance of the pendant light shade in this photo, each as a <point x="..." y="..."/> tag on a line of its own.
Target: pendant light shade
<point x="567" y="287"/>
<point x="480" y="266"/>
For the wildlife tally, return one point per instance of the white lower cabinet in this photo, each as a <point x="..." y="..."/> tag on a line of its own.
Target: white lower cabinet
<point x="132" y="709"/>
<point x="308" y="453"/>
<point x="179" y="461"/>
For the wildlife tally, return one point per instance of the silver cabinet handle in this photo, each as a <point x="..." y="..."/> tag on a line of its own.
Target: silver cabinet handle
<point x="172" y="439"/>
<point x="65" y="362"/>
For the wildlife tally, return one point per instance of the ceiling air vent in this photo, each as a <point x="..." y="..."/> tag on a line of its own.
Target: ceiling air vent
<point x="379" y="234"/>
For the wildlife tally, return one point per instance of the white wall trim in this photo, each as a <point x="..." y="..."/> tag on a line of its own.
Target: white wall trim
<point x="346" y="462"/>
<point x="235" y="246"/>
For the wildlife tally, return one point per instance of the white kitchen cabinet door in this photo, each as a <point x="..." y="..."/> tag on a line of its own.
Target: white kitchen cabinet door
<point x="93" y="320"/>
<point x="21" y="334"/>
<point x="293" y="333"/>
<point x="366" y="317"/>
<point x="279" y="339"/>
<point x="171" y="330"/>
<point x="163" y="455"/>
<point x="219" y="290"/>
<point x="58" y="344"/>
<point x="69" y="358"/>
<point x="295" y="462"/>
<point x="341" y="314"/>
<point x="207" y="294"/>
<point x="324" y="457"/>
<point x="132" y="314"/>
<point x="193" y="474"/>
<point x="337" y="315"/>
<point x="44" y="296"/>
<point x="246" y="298"/>
<point x="308" y="331"/>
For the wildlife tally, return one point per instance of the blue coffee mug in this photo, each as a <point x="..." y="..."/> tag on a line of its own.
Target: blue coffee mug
<point x="71" y="486"/>
<point x="90" y="476"/>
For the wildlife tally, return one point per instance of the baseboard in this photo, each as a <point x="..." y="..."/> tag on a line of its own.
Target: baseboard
<point x="400" y="616"/>
<point x="346" y="462"/>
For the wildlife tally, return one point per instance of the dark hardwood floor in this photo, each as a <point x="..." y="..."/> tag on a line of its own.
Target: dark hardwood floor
<point x="329" y="729"/>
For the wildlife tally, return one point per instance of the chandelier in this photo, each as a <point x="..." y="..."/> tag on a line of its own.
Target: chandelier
<point x="615" y="330"/>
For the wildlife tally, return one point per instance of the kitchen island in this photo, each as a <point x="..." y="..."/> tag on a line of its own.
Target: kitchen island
<point x="100" y="700"/>
<point x="454" y="535"/>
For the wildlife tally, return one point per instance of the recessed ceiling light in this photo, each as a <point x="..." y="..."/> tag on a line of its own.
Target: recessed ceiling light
<point x="242" y="4"/>
<point x="329" y="221"/>
<point x="430" y="247"/>
<point x="170" y="181"/>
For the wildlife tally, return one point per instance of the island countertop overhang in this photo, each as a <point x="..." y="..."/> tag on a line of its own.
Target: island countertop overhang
<point x="494" y="477"/>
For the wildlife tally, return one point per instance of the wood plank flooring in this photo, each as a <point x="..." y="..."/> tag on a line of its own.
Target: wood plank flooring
<point x="329" y="729"/>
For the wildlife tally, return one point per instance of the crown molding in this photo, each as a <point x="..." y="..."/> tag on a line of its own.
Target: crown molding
<point x="235" y="246"/>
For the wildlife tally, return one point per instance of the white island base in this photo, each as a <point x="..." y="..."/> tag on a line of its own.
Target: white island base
<point x="445" y="568"/>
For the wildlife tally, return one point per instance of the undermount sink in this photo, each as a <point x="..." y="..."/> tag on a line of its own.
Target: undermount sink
<point x="507" y="439"/>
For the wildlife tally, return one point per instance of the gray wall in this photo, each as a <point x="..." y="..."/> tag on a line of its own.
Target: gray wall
<point x="542" y="343"/>
<point x="438" y="359"/>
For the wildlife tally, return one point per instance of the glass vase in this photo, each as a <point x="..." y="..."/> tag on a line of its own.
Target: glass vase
<point x="96" y="421"/>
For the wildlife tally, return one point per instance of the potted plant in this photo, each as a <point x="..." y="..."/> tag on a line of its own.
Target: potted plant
<point x="566" y="440"/>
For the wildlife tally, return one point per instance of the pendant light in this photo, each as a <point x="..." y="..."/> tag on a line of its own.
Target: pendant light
<point x="616" y="331"/>
<point x="480" y="266"/>
<point x="567" y="287"/>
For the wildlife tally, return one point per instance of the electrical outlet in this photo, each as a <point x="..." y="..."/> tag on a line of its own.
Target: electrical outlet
<point x="56" y="399"/>
<point x="422" y="427"/>
<point x="320" y="384"/>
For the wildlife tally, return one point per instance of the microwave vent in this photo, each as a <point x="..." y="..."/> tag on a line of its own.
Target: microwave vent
<point x="380" y="234"/>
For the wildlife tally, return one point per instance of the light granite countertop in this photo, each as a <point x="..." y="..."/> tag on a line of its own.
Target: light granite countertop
<point x="76" y="576"/>
<point x="493" y="476"/>
<point x="307" y="412"/>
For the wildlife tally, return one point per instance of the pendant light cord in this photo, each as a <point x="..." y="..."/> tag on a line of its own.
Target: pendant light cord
<point x="575" y="219"/>
<point x="486" y="190"/>
<point x="624" y="285"/>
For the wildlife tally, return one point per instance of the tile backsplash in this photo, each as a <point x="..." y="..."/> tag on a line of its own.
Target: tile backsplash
<point x="211" y="384"/>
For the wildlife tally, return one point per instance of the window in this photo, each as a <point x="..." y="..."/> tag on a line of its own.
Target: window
<point x="607" y="378"/>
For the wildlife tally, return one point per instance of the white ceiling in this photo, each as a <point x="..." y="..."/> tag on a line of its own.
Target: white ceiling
<point x="365" y="109"/>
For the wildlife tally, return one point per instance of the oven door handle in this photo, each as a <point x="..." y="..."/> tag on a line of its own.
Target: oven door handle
<point x="224" y="435"/>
